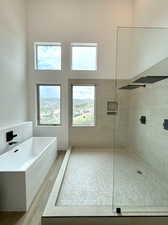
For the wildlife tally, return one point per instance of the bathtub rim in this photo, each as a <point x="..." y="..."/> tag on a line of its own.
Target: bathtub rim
<point x="53" y="139"/>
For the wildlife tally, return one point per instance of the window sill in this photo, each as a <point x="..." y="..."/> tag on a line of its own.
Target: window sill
<point x="37" y="70"/>
<point x="72" y="70"/>
<point x="48" y="126"/>
<point x="83" y="126"/>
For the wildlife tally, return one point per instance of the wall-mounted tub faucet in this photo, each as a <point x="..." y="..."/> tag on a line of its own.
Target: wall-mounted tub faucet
<point x="10" y="136"/>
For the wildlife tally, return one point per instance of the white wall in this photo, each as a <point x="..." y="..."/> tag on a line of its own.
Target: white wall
<point x="150" y="13"/>
<point x="145" y="47"/>
<point x="69" y="21"/>
<point x="12" y="62"/>
<point x="150" y="45"/>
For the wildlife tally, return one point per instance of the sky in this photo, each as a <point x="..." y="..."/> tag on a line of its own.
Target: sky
<point x="50" y="91"/>
<point x="83" y="58"/>
<point x="83" y="92"/>
<point x="49" y="57"/>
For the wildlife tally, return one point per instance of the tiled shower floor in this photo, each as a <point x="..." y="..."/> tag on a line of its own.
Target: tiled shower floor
<point x="107" y="178"/>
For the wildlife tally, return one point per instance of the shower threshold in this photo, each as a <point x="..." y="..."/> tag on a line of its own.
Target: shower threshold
<point x="83" y="193"/>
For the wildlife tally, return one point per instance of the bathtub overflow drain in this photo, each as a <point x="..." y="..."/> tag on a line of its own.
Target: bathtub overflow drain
<point x="16" y="150"/>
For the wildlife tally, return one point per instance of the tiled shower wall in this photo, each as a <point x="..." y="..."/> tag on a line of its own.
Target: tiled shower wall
<point x="107" y="126"/>
<point x="150" y="141"/>
<point x="23" y="130"/>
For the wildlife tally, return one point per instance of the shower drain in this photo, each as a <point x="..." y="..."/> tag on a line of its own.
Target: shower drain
<point x="139" y="172"/>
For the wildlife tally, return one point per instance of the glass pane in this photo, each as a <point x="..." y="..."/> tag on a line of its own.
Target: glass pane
<point x="83" y="100"/>
<point x="48" y="57"/>
<point x="84" y="58"/>
<point x="49" y="105"/>
<point x="141" y="162"/>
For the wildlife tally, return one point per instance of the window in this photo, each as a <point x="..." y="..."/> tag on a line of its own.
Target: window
<point x="49" y="104"/>
<point x="48" y="56"/>
<point x="84" y="56"/>
<point x="83" y="105"/>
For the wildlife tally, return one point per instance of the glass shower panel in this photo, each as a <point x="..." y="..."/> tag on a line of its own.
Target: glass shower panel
<point x="141" y="131"/>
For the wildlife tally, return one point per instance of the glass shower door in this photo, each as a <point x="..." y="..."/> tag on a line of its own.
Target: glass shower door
<point x="141" y="132"/>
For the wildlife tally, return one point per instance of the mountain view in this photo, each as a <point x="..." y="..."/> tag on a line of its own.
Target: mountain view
<point x="50" y="111"/>
<point x="50" y="104"/>
<point x="83" y="112"/>
<point x="83" y="105"/>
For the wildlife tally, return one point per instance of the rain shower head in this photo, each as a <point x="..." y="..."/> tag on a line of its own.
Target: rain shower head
<point x="131" y="87"/>
<point x="150" y="79"/>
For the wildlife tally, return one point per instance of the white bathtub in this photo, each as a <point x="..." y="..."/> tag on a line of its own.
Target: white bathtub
<point x="23" y="170"/>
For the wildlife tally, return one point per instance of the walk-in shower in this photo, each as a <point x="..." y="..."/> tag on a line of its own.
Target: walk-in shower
<point x="129" y="178"/>
<point x="140" y="165"/>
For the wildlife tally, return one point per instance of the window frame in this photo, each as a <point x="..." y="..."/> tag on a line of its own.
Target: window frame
<point x="84" y="44"/>
<point x="95" y="101"/>
<point x="36" y="44"/>
<point x="38" y="105"/>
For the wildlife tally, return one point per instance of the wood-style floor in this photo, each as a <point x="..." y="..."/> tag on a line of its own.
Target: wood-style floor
<point x="33" y="216"/>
